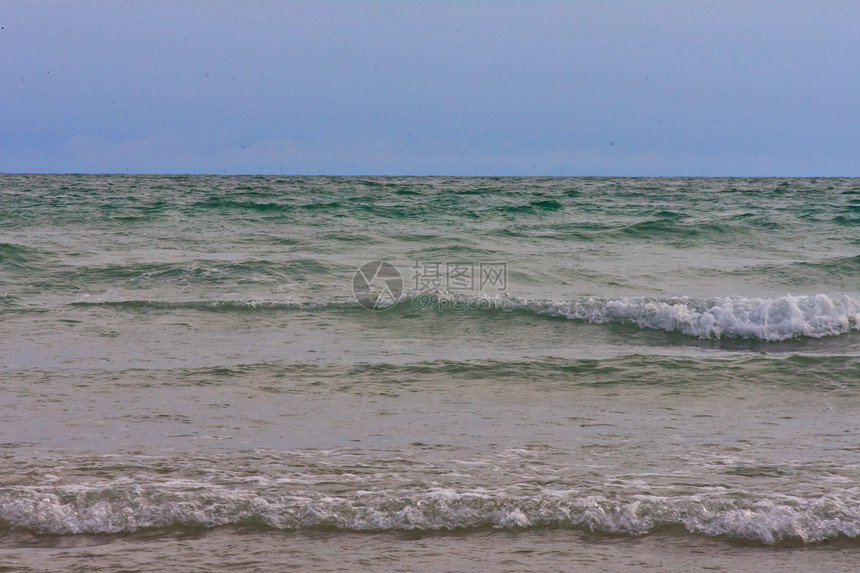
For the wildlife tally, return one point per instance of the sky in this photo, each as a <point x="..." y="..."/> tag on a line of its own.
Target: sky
<point x="386" y="87"/>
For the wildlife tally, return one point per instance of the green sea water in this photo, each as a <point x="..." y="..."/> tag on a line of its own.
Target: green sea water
<point x="634" y="367"/>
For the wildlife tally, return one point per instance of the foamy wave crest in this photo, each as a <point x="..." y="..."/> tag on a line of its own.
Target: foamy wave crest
<point x="768" y="319"/>
<point x="127" y="508"/>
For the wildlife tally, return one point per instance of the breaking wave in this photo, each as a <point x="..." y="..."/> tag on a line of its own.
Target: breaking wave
<point x="115" y="508"/>
<point x="767" y="319"/>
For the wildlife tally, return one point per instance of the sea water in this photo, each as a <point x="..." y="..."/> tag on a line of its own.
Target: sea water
<point x="429" y="373"/>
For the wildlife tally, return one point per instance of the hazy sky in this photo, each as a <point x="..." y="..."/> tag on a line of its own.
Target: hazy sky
<point x="430" y="87"/>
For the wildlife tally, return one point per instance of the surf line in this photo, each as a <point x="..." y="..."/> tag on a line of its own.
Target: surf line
<point x="284" y="139"/>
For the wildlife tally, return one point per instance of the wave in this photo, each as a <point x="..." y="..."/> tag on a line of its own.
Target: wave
<point x="832" y="271"/>
<point x="124" y="507"/>
<point x="196" y="272"/>
<point x="670" y="227"/>
<point x="838" y="266"/>
<point x="735" y="317"/>
<point x="536" y="206"/>
<point x="821" y="372"/>
<point x="767" y="319"/>
<point x="224" y="203"/>
<point x="18" y="256"/>
<point x="822" y="375"/>
<point x="200" y="305"/>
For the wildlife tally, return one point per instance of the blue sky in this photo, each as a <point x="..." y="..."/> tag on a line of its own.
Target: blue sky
<point x="430" y="87"/>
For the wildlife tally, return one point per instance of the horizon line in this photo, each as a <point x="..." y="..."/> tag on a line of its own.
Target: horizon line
<point x="493" y="175"/>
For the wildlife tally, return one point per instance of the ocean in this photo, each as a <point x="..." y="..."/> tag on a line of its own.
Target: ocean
<point x="319" y="373"/>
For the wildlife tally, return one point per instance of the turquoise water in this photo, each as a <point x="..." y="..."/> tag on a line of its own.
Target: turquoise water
<point x="670" y="362"/>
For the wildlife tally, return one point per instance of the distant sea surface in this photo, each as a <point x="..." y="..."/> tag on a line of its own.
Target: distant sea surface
<point x="429" y="374"/>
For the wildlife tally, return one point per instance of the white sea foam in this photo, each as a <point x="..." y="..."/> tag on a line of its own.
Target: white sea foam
<point x="768" y="319"/>
<point x="779" y="318"/>
<point x="112" y="510"/>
